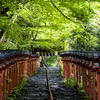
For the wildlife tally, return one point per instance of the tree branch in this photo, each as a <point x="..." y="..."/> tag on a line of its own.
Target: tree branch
<point x="89" y="7"/>
<point x="29" y="4"/>
<point x="34" y="36"/>
<point x="62" y="13"/>
<point x="1" y="33"/>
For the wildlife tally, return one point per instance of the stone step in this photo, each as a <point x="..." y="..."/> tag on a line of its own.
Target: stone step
<point x="52" y="70"/>
<point x="36" y="89"/>
<point x="59" y="90"/>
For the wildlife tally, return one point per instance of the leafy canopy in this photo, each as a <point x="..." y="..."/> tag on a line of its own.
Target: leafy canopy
<point x="68" y="23"/>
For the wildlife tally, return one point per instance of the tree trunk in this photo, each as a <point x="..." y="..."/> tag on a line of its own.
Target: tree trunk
<point x="1" y="33"/>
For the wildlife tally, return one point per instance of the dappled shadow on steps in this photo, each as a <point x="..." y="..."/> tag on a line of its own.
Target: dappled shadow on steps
<point x="36" y="89"/>
<point x="59" y="90"/>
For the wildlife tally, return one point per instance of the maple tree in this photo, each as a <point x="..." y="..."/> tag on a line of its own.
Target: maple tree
<point x="65" y="23"/>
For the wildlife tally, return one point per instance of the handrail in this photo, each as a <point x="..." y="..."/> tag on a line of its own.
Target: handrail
<point x="15" y="65"/>
<point x="48" y="86"/>
<point x="89" y="64"/>
<point x="44" y="61"/>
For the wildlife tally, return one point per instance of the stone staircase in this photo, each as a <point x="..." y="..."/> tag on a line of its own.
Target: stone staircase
<point x="58" y="89"/>
<point x="36" y="89"/>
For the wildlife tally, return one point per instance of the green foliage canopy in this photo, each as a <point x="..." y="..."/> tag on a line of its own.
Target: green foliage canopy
<point x="64" y="22"/>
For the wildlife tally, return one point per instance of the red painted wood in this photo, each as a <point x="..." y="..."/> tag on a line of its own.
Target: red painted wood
<point x="16" y="74"/>
<point x="79" y="74"/>
<point x="90" y="93"/>
<point x="25" y="69"/>
<point x="21" y="76"/>
<point x="70" y="70"/>
<point x="19" y="73"/>
<point x="32" y="67"/>
<point x="0" y="85"/>
<point x="7" y="84"/>
<point x="98" y="85"/>
<point x="14" y="85"/>
<point x="86" y="90"/>
<point x="83" y="78"/>
<point x="28" y="68"/>
<point x="66" y="69"/>
<point x="22" y="71"/>
<point x="74" y="74"/>
<point x="94" y="91"/>
<point x="36" y="65"/>
<point x="86" y="77"/>
<point x="4" y="84"/>
<point x="10" y="76"/>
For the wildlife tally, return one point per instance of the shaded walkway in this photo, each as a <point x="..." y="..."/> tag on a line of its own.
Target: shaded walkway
<point x="36" y="89"/>
<point x="58" y="89"/>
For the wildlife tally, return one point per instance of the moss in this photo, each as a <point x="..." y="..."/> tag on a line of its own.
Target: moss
<point x="81" y="86"/>
<point x="31" y="74"/>
<point x="69" y="83"/>
<point x="8" y="80"/>
<point x="82" y="92"/>
<point x="10" y="98"/>
<point x="17" y="90"/>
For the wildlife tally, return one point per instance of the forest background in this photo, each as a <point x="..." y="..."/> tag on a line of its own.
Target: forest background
<point x="72" y="24"/>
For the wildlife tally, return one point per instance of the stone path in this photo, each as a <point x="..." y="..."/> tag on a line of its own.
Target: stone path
<point x="58" y="89"/>
<point x="36" y="89"/>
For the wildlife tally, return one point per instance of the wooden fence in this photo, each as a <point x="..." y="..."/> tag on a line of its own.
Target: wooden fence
<point x="86" y="71"/>
<point x="14" y="66"/>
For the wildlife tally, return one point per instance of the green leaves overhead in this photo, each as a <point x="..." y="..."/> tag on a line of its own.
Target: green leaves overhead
<point x="75" y="10"/>
<point x="64" y="22"/>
